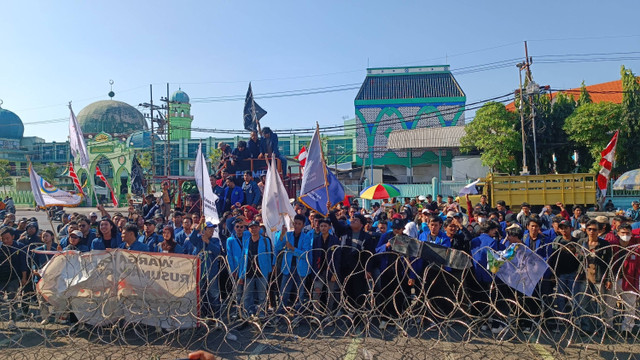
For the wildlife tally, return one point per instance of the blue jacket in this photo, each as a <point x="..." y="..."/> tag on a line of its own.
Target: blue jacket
<point x="252" y="193"/>
<point x="98" y="244"/>
<point x="418" y="264"/>
<point x="479" y="246"/>
<point x="181" y="237"/>
<point x="318" y="251"/>
<point x="266" y="258"/>
<point x="158" y="248"/>
<point x="235" y="195"/>
<point x="381" y="249"/>
<point x="209" y="253"/>
<point x="151" y="241"/>
<point x="234" y="251"/>
<point x="40" y="259"/>
<point x="302" y="252"/>
<point x="541" y="246"/>
<point x="80" y="247"/>
<point x="273" y="140"/>
<point x="136" y="246"/>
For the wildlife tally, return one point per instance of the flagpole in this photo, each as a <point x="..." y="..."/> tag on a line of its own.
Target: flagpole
<point x="93" y="185"/>
<point x="324" y="170"/>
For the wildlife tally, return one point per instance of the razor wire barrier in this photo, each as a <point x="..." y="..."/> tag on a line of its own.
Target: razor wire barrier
<point x="127" y="304"/>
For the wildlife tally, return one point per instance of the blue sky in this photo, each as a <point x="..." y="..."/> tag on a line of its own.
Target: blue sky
<point x="53" y="52"/>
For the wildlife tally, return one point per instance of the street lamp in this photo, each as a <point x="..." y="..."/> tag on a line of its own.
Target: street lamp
<point x="525" y="169"/>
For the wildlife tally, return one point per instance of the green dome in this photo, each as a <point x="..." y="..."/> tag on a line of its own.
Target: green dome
<point x="180" y="97"/>
<point x="112" y="117"/>
<point x="11" y="125"/>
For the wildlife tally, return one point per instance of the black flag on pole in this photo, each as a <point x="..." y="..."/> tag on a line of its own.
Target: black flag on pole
<point x="252" y="112"/>
<point x="137" y="186"/>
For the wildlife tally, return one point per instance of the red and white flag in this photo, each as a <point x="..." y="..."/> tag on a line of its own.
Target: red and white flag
<point x="74" y="176"/>
<point x="608" y="155"/>
<point x="302" y="156"/>
<point x="101" y="176"/>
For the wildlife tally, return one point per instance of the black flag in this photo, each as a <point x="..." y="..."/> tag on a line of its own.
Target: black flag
<point x="137" y="186"/>
<point x="252" y="112"/>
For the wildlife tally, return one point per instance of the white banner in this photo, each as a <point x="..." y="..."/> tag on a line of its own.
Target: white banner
<point x="46" y="194"/>
<point x="276" y="208"/>
<point x="209" y="199"/>
<point x="101" y="287"/>
<point x="76" y="141"/>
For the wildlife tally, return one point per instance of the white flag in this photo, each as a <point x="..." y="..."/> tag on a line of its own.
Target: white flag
<point x="76" y="141"/>
<point x="276" y="208"/>
<point x="46" y="194"/>
<point x="201" y="174"/>
<point x="469" y="189"/>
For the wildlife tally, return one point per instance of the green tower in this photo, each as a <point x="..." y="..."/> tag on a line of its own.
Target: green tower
<point x="180" y="116"/>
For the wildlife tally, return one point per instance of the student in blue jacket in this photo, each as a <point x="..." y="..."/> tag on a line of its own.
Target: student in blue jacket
<point x="74" y="242"/>
<point x="130" y="239"/>
<point x="233" y="195"/>
<point x="209" y="249"/>
<point x="258" y="261"/>
<point x="480" y="284"/>
<point x="108" y="236"/>
<point x="296" y="246"/>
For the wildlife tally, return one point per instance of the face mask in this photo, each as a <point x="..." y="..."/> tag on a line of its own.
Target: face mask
<point x="481" y="220"/>
<point x="625" y="238"/>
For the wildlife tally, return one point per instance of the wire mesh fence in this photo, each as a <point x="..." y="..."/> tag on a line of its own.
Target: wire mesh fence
<point x="127" y="304"/>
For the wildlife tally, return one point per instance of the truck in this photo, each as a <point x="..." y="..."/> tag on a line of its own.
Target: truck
<point x="537" y="190"/>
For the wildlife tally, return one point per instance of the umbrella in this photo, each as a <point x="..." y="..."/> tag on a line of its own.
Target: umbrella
<point x="628" y="181"/>
<point x="380" y="191"/>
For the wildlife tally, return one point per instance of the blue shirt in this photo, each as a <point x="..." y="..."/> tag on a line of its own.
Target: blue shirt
<point x="252" y="193"/>
<point x="136" y="246"/>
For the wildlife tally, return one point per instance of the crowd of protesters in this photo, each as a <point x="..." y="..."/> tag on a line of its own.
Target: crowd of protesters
<point x="342" y="266"/>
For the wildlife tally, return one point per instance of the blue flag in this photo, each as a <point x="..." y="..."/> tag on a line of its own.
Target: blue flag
<point x="517" y="266"/>
<point x="319" y="184"/>
<point x="252" y="112"/>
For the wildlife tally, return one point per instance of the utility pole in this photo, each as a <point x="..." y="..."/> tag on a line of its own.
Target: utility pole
<point x="532" y="89"/>
<point x="525" y="168"/>
<point x="153" y="136"/>
<point x="167" y="147"/>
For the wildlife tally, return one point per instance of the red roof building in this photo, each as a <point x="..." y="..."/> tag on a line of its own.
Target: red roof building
<point x="609" y="91"/>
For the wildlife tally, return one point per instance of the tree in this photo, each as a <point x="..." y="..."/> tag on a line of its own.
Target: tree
<point x="49" y="172"/>
<point x="5" y="176"/>
<point x="592" y="126"/>
<point x="493" y="133"/>
<point x="628" y="154"/>
<point x="585" y="97"/>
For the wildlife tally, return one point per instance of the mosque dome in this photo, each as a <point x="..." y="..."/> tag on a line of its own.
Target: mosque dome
<point x="112" y="117"/>
<point x="11" y="126"/>
<point x="180" y="97"/>
<point x="141" y="140"/>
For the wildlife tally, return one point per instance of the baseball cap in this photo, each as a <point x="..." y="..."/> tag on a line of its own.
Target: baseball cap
<point x="150" y="222"/>
<point x="77" y="233"/>
<point x="510" y="218"/>
<point x="397" y="224"/>
<point x="254" y="223"/>
<point x="209" y="224"/>
<point x="451" y="214"/>
<point x="422" y="198"/>
<point x="92" y="214"/>
<point x="525" y="204"/>
<point x="602" y="219"/>
<point x="564" y="223"/>
<point x="425" y="211"/>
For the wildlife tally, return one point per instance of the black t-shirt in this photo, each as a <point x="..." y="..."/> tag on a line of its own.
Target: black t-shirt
<point x="253" y="270"/>
<point x="294" y="258"/>
<point x="565" y="258"/>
